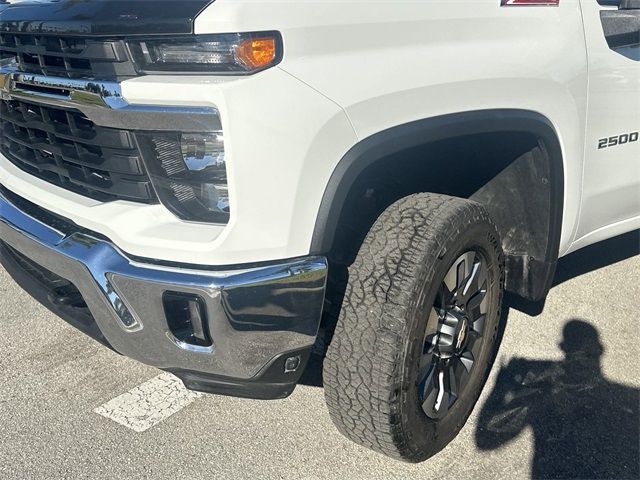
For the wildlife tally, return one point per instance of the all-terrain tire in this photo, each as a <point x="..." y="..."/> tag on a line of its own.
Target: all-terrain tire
<point x="372" y="365"/>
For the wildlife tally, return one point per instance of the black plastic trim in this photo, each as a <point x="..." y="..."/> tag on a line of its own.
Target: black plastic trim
<point x="403" y="137"/>
<point x="270" y="384"/>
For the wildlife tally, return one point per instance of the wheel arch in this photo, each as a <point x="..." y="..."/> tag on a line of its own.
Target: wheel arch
<point x="531" y="260"/>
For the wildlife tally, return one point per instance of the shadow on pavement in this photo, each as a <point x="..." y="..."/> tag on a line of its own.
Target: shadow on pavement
<point x="578" y="263"/>
<point x="583" y="261"/>
<point x="597" y="256"/>
<point x="584" y="425"/>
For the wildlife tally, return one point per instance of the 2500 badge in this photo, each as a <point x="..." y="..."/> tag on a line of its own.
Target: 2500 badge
<point x="618" y="140"/>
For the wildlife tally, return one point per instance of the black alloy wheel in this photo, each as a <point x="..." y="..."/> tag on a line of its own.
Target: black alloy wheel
<point x="454" y="334"/>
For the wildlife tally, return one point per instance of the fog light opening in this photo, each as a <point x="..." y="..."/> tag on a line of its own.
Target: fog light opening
<point x="291" y="364"/>
<point x="187" y="318"/>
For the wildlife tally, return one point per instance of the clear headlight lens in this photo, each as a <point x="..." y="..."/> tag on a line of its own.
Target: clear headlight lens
<point x="188" y="172"/>
<point x="238" y="53"/>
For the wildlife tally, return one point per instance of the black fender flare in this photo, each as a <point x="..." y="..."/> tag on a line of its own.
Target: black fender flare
<point x="421" y="132"/>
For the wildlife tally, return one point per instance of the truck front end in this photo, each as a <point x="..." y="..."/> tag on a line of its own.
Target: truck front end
<point x="145" y="193"/>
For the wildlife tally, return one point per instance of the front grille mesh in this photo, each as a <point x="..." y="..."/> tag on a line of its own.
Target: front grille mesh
<point x="69" y="57"/>
<point x="63" y="147"/>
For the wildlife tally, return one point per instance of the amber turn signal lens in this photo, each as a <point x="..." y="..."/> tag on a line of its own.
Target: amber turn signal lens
<point x="257" y="53"/>
<point x="218" y="54"/>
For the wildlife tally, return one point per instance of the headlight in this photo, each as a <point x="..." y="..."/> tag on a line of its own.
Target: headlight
<point x="189" y="174"/>
<point x="237" y="53"/>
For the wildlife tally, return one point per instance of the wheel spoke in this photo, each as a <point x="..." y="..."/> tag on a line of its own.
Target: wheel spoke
<point x="428" y="383"/>
<point x="475" y="287"/>
<point x="426" y="360"/>
<point x="444" y="384"/>
<point x="474" y="343"/>
<point x="456" y="277"/>
<point x="429" y="344"/>
<point x="461" y="274"/>
<point x="440" y="303"/>
<point x="433" y="320"/>
<point x="436" y="398"/>
<point x="443" y="405"/>
<point x="451" y="380"/>
<point x="467" y="360"/>
<point x="477" y="325"/>
<point x="461" y="371"/>
<point x="476" y="304"/>
<point x="431" y="332"/>
<point x="471" y="282"/>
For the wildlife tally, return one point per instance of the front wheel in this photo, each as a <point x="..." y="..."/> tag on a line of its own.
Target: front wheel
<point x="417" y="331"/>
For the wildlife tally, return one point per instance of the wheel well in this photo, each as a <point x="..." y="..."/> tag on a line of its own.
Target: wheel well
<point x="509" y="161"/>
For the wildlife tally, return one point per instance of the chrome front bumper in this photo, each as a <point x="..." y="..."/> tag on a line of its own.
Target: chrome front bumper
<point x="258" y="317"/>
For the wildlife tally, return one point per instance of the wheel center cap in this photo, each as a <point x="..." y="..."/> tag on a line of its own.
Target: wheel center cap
<point x="462" y="333"/>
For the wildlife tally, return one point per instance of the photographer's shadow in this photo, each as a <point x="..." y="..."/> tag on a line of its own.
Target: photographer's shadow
<point x="585" y="426"/>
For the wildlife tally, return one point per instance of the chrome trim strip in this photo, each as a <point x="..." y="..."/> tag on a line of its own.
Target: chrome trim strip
<point x="255" y="314"/>
<point x="104" y="104"/>
<point x="188" y="346"/>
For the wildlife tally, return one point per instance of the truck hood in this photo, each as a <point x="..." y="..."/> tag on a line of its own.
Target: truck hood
<point x="100" y="17"/>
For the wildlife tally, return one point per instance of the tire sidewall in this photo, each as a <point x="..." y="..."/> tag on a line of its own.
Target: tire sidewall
<point x="429" y="435"/>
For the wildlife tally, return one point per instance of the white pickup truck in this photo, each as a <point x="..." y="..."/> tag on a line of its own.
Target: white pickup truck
<point x="214" y="187"/>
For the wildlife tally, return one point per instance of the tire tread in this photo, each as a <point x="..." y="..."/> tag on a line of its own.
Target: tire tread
<point x="361" y="371"/>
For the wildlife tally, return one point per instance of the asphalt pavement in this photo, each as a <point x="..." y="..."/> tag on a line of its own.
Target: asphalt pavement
<point x="563" y="397"/>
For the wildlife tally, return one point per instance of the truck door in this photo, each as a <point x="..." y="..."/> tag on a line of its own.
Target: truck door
<point x="611" y="182"/>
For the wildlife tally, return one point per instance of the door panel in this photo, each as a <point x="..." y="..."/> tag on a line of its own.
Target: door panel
<point x="611" y="184"/>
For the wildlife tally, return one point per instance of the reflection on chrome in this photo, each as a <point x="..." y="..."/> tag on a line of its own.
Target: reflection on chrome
<point x="103" y="103"/>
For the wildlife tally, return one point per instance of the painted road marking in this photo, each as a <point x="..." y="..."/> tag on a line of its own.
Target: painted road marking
<point x="148" y="404"/>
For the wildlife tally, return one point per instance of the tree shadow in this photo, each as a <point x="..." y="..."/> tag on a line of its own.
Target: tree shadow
<point x="585" y="426"/>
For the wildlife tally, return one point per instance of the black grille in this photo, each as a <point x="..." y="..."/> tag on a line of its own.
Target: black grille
<point x="63" y="147"/>
<point x="70" y="57"/>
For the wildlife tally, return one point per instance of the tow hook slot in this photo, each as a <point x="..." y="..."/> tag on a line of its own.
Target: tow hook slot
<point x="187" y="318"/>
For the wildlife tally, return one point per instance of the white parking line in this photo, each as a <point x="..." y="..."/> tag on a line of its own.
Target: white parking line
<point x="149" y="403"/>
